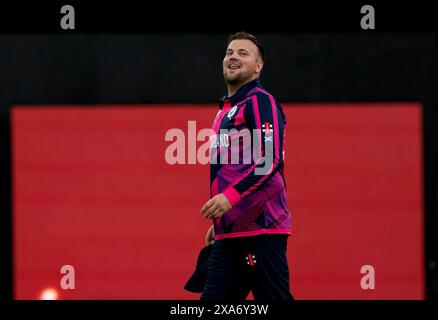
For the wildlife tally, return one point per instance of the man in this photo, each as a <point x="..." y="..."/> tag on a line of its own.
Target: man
<point x="251" y="219"/>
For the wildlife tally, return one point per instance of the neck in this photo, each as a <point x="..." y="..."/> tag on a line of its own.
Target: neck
<point x="232" y="88"/>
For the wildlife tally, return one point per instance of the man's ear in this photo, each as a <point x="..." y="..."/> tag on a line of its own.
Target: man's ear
<point x="259" y="65"/>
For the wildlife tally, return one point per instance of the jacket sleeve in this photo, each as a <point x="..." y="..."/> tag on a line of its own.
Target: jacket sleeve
<point x="266" y="122"/>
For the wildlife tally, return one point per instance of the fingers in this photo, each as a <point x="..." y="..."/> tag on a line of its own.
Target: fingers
<point x="207" y="205"/>
<point x="215" y="212"/>
<point x="215" y="207"/>
<point x="209" y="212"/>
<point x="209" y="237"/>
<point x="212" y="234"/>
<point x="209" y="208"/>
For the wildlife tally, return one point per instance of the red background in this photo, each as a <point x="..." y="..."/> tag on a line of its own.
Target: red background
<point x="92" y="189"/>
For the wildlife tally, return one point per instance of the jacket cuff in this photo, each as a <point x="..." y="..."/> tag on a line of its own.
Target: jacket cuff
<point x="232" y="195"/>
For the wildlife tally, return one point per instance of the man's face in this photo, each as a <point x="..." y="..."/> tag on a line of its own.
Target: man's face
<point x="241" y="62"/>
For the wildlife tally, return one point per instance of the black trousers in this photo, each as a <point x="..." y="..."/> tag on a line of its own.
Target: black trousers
<point x="240" y="265"/>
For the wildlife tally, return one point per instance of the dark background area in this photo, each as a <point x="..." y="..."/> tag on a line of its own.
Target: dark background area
<point x="87" y="68"/>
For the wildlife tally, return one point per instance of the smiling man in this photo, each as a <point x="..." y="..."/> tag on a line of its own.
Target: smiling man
<point x="248" y="205"/>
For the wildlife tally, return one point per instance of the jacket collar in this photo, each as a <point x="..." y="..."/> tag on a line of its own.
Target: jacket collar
<point x="240" y="94"/>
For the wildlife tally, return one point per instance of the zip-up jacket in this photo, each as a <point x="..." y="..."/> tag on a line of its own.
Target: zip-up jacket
<point x="247" y="164"/>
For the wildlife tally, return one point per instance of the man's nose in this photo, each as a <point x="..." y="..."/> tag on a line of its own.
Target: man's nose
<point x="233" y="57"/>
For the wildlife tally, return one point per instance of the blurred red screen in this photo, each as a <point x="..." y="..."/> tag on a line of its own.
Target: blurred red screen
<point x="92" y="189"/>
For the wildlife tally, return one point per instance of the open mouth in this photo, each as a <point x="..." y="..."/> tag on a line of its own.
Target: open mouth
<point x="233" y="66"/>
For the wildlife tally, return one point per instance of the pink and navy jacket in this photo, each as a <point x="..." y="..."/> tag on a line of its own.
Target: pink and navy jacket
<point x="259" y="200"/>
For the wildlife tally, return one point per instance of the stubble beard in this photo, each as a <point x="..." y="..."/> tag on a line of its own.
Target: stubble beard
<point x="234" y="79"/>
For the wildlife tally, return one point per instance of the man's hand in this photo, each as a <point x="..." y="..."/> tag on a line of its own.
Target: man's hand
<point x="209" y="237"/>
<point x="216" y="207"/>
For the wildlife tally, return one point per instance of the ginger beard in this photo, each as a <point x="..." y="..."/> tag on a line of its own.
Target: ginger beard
<point x="235" y="73"/>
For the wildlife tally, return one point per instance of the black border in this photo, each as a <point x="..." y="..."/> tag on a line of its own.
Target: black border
<point x="133" y="17"/>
